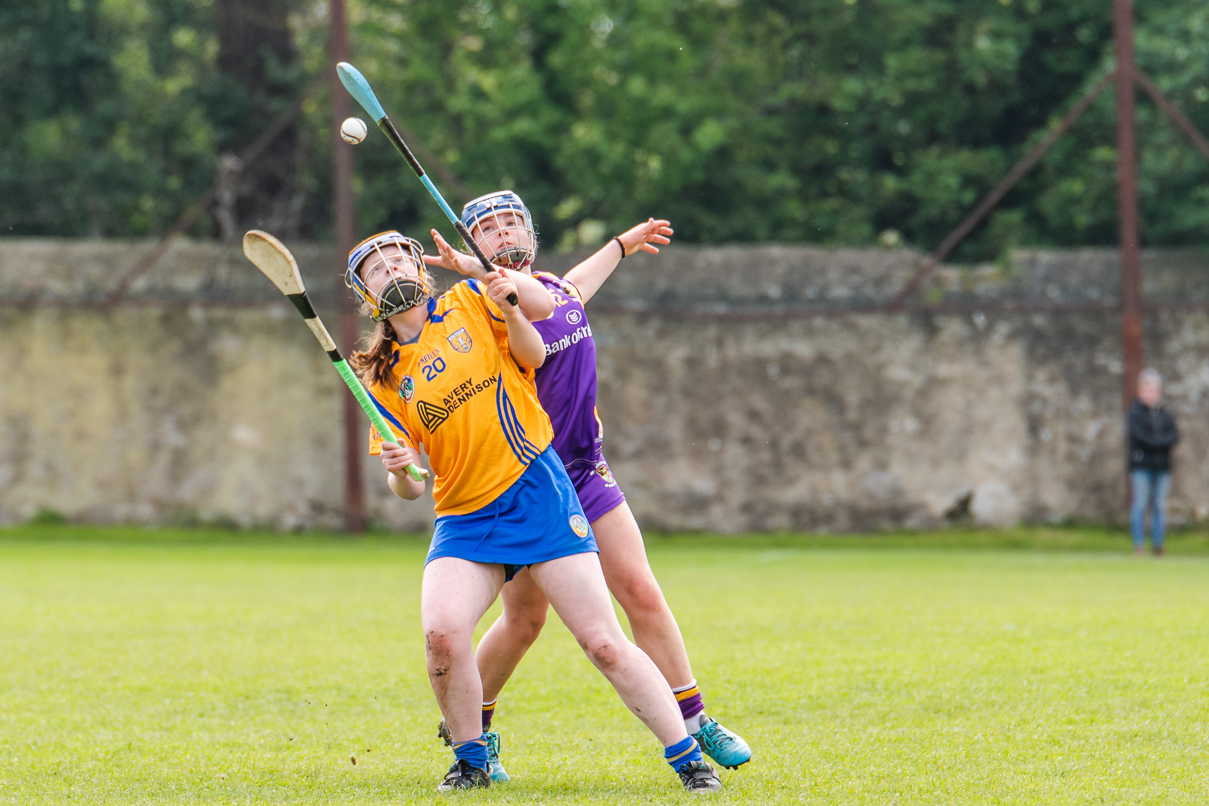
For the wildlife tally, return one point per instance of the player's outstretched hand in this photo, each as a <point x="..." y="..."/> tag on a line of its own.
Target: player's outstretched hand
<point x="396" y="458"/>
<point x="644" y="236"/>
<point x="452" y="259"/>
<point x="499" y="286"/>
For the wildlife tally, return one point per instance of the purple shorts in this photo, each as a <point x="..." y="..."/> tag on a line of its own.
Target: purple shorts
<point x="597" y="489"/>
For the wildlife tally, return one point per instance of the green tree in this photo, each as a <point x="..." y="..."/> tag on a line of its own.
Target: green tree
<point x="823" y="121"/>
<point x="106" y="135"/>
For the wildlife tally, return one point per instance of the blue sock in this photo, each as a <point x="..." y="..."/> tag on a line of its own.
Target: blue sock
<point x="475" y="752"/>
<point x="682" y="753"/>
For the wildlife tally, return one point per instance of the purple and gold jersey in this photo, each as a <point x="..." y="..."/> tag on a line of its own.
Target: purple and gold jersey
<point x="457" y="391"/>
<point x="566" y="382"/>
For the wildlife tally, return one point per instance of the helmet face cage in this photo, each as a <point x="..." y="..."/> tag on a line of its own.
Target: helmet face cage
<point x="488" y="215"/>
<point x="401" y="293"/>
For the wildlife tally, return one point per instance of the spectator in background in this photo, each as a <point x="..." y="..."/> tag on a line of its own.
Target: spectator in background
<point x="1152" y="435"/>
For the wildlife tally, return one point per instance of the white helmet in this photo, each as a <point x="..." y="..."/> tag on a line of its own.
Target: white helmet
<point x="485" y="212"/>
<point x="401" y="293"/>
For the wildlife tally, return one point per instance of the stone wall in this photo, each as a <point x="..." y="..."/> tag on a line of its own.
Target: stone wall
<point x="736" y="393"/>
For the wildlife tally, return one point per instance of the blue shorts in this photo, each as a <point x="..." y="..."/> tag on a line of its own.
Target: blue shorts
<point x="597" y="489"/>
<point x="538" y="518"/>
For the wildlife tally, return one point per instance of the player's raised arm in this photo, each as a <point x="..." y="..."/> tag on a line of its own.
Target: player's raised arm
<point x="532" y="297"/>
<point x="590" y="275"/>
<point x="524" y="342"/>
<point x="536" y="301"/>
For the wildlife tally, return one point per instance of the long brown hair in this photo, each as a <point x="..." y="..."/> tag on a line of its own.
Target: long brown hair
<point x="373" y="364"/>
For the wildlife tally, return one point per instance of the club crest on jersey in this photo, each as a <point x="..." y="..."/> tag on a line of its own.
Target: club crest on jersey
<point x="579" y="525"/>
<point x="602" y="470"/>
<point x="573" y="316"/>
<point x="460" y="340"/>
<point x="407" y="389"/>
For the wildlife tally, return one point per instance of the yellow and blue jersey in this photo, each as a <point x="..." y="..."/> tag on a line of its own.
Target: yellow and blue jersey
<point x="459" y="393"/>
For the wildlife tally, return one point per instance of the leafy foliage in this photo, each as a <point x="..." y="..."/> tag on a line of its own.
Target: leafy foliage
<point x="835" y="122"/>
<point x="104" y="113"/>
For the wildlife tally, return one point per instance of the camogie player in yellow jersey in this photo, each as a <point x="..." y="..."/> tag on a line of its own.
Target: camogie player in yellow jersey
<point x="454" y="374"/>
<point x="566" y="383"/>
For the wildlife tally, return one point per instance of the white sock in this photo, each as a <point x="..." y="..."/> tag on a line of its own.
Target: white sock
<point x="693" y="723"/>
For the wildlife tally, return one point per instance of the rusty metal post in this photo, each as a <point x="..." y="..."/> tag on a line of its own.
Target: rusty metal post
<point x="342" y="201"/>
<point x="998" y="192"/>
<point x="1172" y="111"/>
<point x="1127" y="202"/>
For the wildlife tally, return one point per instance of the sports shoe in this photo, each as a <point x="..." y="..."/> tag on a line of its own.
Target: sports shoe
<point x="727" y="749"/>
<point x="697" y="776"/>
<point x="498" y="774"/>
<point x="463" y="776"/>
<point x="494" y="767"/>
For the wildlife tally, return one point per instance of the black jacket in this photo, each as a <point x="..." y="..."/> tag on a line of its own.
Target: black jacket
<point x="1152" y="434"/>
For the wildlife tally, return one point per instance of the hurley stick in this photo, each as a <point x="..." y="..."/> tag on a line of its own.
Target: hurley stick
<point x="360" y="89"/>
<point x="275" y="262"/>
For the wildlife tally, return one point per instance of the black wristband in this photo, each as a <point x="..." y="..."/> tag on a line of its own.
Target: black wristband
<point x="621" y="246"/>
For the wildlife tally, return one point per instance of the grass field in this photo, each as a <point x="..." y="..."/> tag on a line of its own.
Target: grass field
<point x="1029" y="666"/>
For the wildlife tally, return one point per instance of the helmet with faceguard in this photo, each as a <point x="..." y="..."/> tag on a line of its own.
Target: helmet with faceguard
<point x="501" y="225"/>
<point x="402" y="292"/>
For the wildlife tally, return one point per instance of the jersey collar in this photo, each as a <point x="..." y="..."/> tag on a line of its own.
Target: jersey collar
<point x="432" y="308"/>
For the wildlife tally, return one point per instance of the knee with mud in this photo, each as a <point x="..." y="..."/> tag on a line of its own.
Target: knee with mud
<point x="604" y="651"/>
<point x="441" y="647"/>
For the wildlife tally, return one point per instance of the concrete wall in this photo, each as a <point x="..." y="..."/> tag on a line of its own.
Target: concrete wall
<point x="728" y="404"/>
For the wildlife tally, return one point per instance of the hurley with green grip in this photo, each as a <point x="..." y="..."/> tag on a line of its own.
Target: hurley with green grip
<point x="361" y="91"/>
<point x="275" y="262"/>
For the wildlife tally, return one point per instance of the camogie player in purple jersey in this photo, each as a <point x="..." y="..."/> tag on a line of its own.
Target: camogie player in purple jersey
<point x="566" y="386"/>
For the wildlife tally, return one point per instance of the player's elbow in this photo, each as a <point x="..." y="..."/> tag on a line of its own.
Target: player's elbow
<point x="535" y="363"/>
<point x="530" y="356"/>
<point x="542" y="307"/>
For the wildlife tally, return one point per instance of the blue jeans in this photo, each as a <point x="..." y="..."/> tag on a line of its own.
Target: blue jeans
<point x="1149" y="487"/>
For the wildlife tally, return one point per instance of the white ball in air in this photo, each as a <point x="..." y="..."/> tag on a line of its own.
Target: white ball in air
<point x="353" y="130"/>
